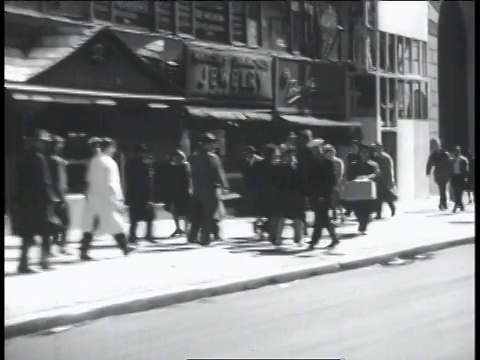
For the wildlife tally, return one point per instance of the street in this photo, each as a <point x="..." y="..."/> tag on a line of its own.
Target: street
<point x="421" y="308"/>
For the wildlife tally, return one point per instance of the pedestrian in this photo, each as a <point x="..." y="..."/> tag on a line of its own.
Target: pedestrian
<point x="208" y="179"/>
<point x="304" y="154"/>
<point x="179" y="191"/>
<point x="291" y="194"/>
<point x="442" y="165"/>
<point x="267" y="190"/>
<point x="58" y="170"/>
<point x="386" y="180"/>
<point x="36" y="200"/>
<point x="139" y="193"/>
<point x="249" y="175"/>
<point x="470" y="180"/>
<point x="320" y="186"/>
<point x="352" y="158"/>
<point x="459" y="177"/>
<point x="104" y="201"/>
<point x="364" y="168"/>
<point x="339" y="169"/>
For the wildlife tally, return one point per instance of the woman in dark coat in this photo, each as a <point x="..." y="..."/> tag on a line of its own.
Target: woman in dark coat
<point x="363" y="168"/>
<point x="139" y="193"/>
<point x="180" y="191"/>
<point x="291" y="195"/>
<point x="266" y="184"/>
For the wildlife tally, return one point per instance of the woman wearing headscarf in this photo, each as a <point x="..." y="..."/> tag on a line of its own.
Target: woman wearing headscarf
<point x="180" y="190"/>
<point x="364" y="168"/>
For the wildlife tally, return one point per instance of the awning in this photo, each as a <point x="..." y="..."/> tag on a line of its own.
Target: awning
<point x="229" y="114"/>
<point x="313" y="121"/>
<point x="76" y="96"/>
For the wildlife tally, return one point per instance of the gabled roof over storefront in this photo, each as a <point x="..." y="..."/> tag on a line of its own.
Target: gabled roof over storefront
<point x="91" y="59"/>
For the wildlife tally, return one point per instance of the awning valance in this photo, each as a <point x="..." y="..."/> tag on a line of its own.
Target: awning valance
<point x="229" y="114"/>
<point x="313" y="121"/>
<point x="76" y="96"/>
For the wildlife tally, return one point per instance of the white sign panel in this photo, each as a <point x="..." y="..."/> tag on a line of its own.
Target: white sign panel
<point x="405" y="18"/>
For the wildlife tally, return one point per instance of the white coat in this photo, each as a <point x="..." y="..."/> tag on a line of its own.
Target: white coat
<point x="104" y="197"/>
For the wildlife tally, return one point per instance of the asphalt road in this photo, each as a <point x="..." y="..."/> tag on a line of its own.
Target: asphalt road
<point x="422" y="309"/>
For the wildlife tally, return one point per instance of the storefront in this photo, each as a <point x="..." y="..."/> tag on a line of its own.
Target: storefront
<point x="314" y="95"/>
<point x="79" y="82"/>
<point x="229" y="92"/>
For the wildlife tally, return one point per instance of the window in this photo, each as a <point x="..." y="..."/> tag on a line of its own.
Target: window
<point x="383" y="51"/>
<point x="327" y="23"/>
<point x="274" y="29"/>
<point x="296" y="26"/>
<point x="423" y="59"/>
<point x="185" y="18"/>
<point x="211" y="21"/>
<point x="407" y="58"/>
<point x="401" y="99"/>
<point x="370" y="13"/>
<point x="309" y="29"/>
<point x="400" y="58"/>
<point x="238" y="22"/>
<point x="253" y="23"/>
<point x="384" y="102"/>
<point x="408" y="100"/>
<point x="391" y="57"/>
<point x="415" y="57"/>
<point x="424" y="105"/>
<point x="164" y="13"/>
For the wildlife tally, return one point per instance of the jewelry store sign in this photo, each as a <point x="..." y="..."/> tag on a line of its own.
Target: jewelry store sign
<point x="232" y="75"/>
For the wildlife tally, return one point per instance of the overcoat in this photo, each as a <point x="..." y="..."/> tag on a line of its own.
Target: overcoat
<point x="104" y="197"/>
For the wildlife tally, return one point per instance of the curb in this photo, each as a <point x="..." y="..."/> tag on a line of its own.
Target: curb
<point x="59" y="318"/>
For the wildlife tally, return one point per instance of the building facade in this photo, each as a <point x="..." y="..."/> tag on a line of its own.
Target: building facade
<point x="251" y="71"/>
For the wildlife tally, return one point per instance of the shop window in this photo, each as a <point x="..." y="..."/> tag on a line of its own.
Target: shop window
<point x="185" y="17"/>
<point x="420" y="100"/>
<point x="383" y="50"/>
<point x="415" y="57"/>
<point x="253" y="23"/>
<point x="211" y="21"/>
<point x="274" y="29"/>
<point x="384" y="101"/>
<point x="397" y="100"/>
<point x="424" y="105"/>
<point x="238" y="12"/>
<point x="72" y="9"/>
<point x="296" y="26"/>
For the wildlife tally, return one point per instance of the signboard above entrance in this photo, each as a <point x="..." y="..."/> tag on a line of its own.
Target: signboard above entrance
<point x="214" y="73"/>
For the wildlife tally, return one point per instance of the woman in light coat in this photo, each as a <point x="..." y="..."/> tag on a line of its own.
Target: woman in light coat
<point x="104" y="200"/>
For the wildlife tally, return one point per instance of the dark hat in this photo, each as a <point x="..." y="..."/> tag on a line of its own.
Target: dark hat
<point x="207" y="138"/>
<point x="42" y="135"/>
<point x="292" y="135"/>
<point x="141" y="149"/>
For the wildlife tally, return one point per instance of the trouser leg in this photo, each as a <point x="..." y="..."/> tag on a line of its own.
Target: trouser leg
<point x="45" y="250"/>
<point x="149" y="233"/>
<point x="363" y="218"/>
<point x="121" y="240"/>
<point x="442" y="189"/>
<point x="133" y="232"/>
<point x="27" y="242"/>
<point x="297" y="230"/>
<point x="457" y="183"/>
<point x="85" y="243"/>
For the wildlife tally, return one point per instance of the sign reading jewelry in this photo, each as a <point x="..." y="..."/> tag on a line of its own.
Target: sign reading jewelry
<point x="228" y="75"/>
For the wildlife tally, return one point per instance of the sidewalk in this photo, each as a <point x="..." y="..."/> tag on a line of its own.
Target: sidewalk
<point x="173" y="271"/>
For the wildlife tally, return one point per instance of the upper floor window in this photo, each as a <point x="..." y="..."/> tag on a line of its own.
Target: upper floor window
<point x="185" y="17"/>
<point x="253" y="23"/>
<point x="238" y="24"/>
<point x="328" y="23"/>
<point x="274" y="28"/>
<point x="211" y="21"/>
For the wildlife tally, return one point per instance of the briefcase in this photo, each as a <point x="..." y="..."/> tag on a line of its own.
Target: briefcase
<point x="357" y="190"/>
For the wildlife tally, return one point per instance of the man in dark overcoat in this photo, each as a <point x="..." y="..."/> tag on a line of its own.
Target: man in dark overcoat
<point x="36" y="200"/>
<point x="208" y="180"/>
<point x="139" y="193"/>
<point x="58" y="170"/>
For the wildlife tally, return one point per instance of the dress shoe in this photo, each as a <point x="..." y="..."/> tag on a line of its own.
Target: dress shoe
<point x="26" y="270"/>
